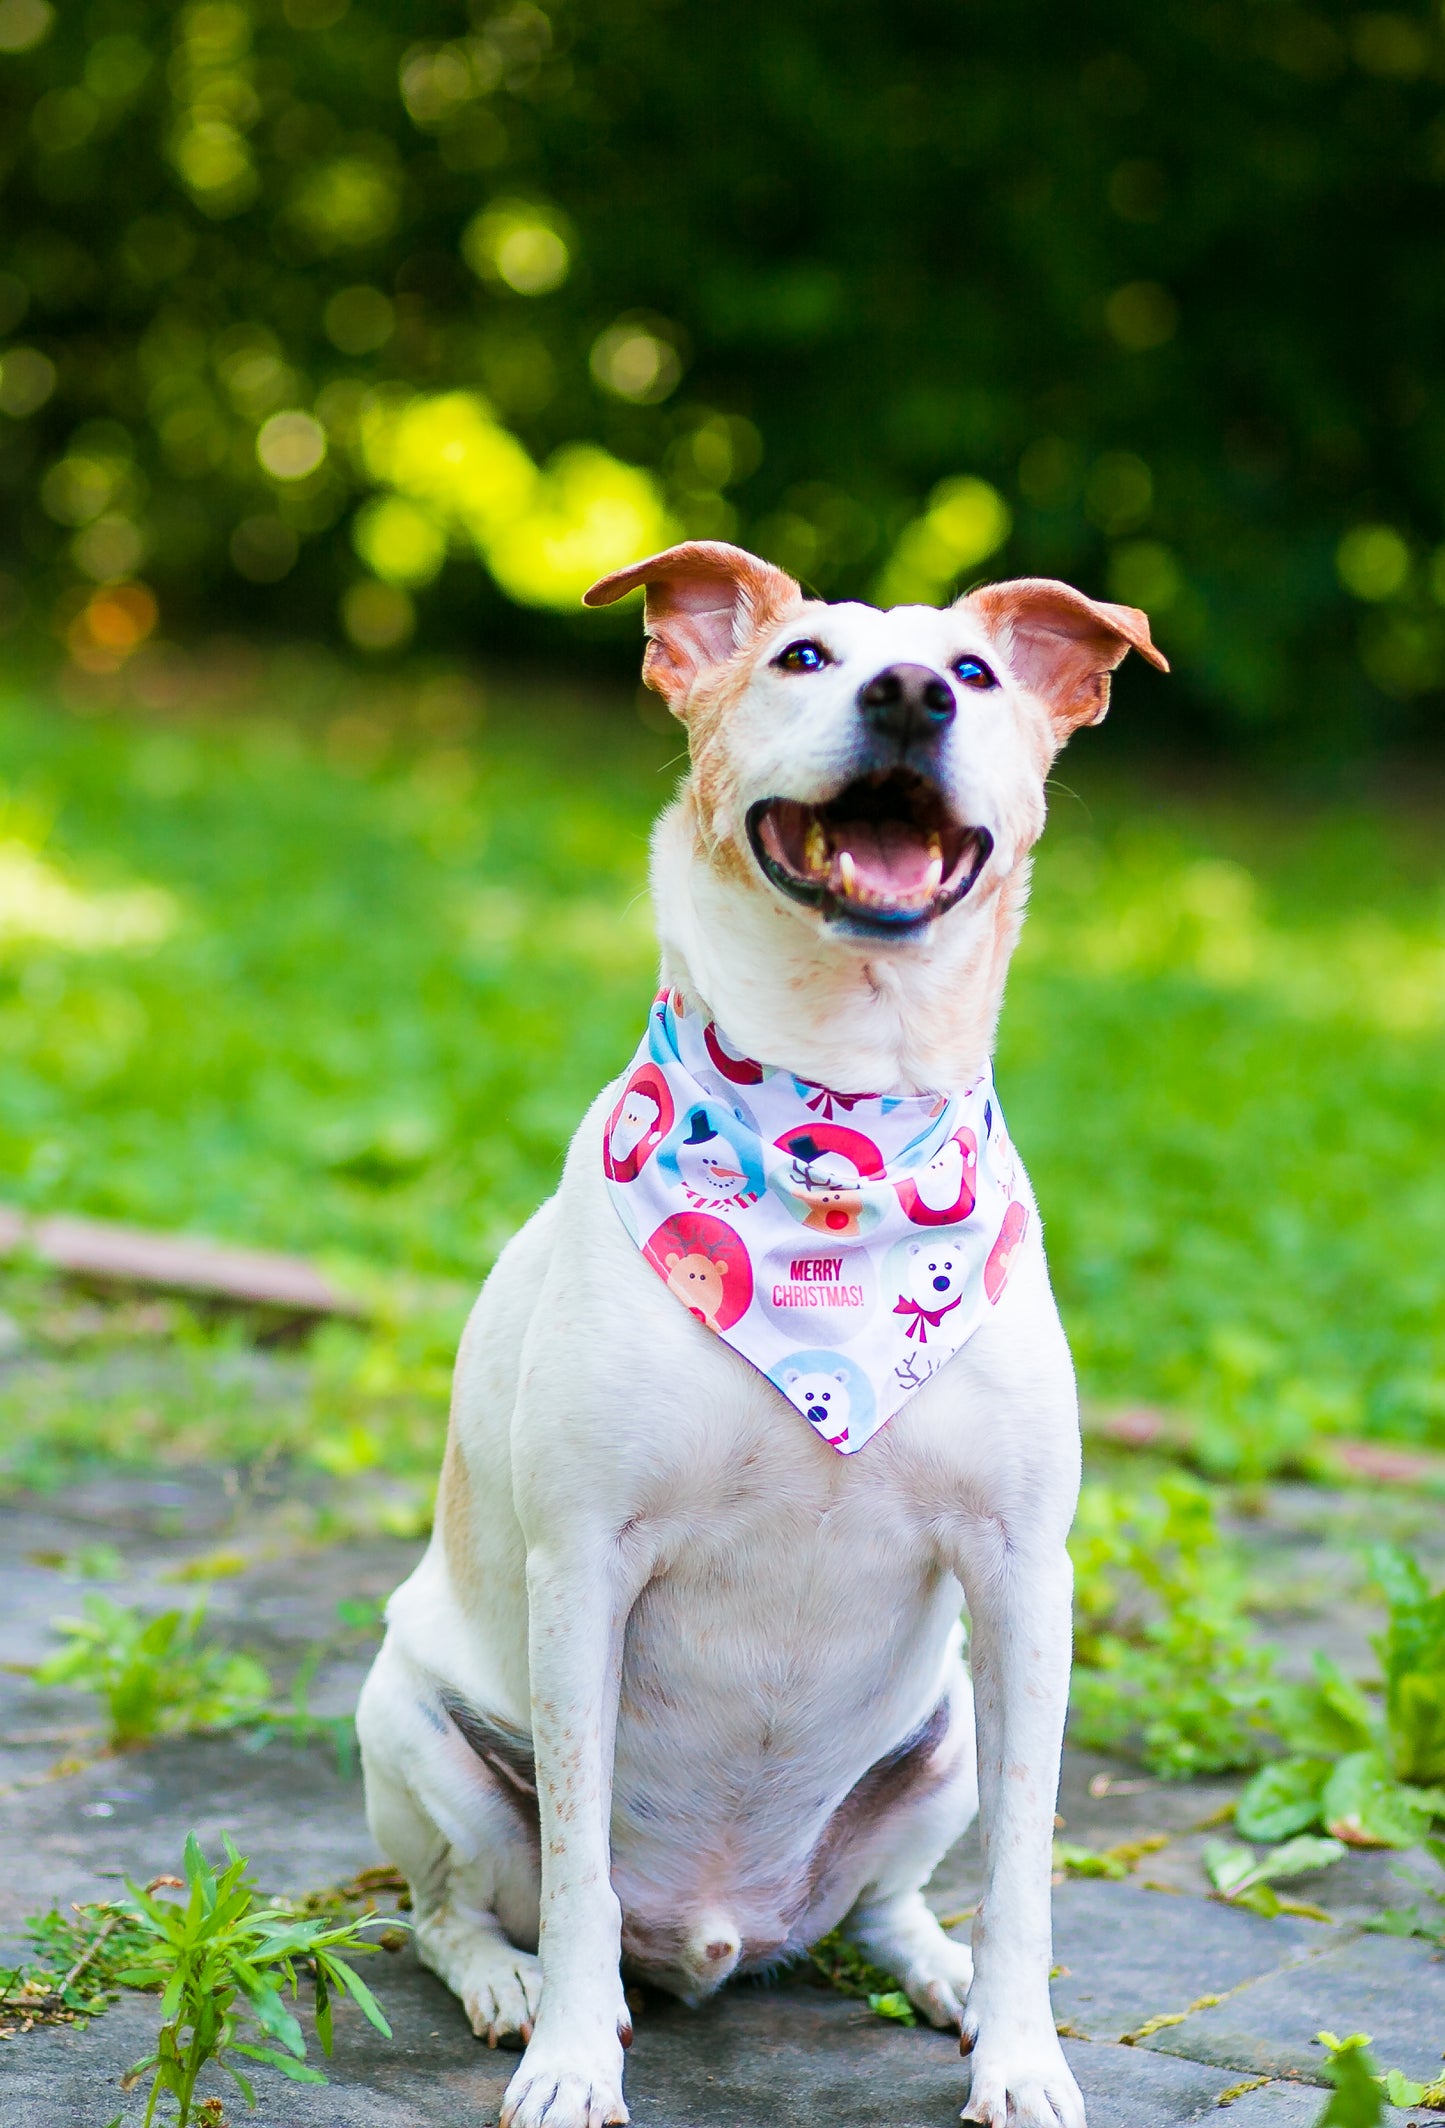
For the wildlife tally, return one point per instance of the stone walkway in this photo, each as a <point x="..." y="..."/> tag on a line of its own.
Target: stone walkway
<point x="1131" y="1953"/>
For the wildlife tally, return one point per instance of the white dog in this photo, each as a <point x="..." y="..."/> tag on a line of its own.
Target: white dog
<point x="677" y="1683"/>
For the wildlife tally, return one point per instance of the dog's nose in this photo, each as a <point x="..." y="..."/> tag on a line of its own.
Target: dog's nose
<point x="907" y="703"/>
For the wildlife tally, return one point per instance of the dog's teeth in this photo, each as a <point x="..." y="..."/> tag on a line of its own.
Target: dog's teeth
<point x="934" y="875"/>
<point x="815" y="847"/>
<point x="847" y="872"/>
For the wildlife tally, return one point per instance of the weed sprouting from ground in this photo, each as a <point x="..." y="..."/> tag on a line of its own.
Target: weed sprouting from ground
<point x="1165" y="1654"/>
<point x="157" y="1676"/>
<point x="1426" y="1921"/>
<point x="848" y="1972"/>
<point x="225" y="1966"/>
<point x="1367" y="1768"/>
<point x="73" y="1975"/>
<point x="1358" y="2092"/>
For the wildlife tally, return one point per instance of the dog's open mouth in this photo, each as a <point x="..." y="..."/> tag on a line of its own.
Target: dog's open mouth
<point x="886" y="852"/>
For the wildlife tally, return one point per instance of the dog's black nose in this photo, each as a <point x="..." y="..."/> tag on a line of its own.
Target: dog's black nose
<point x="940" y="1285"/>
<point x="907" y="703"/>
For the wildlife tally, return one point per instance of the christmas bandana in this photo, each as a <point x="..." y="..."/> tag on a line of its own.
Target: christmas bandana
<point x="846" y="1244"/>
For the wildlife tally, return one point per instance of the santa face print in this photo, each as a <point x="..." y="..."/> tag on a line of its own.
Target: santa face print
<point x="637" y="1125"/>
<point x="944" y="1192"/>
<point x="637" y="1119"/>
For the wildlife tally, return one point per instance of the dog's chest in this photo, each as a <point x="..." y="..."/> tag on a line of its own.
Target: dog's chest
<point x="782" y="1591"/>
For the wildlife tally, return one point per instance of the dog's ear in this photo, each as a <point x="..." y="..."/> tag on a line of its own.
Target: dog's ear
<point x="1061" y="645"/>
<point x="704" y="601"/>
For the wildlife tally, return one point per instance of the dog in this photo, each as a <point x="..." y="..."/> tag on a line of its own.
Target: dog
<point x="679" y="1682"/>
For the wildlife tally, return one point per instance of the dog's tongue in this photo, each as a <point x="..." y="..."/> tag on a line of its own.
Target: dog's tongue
<point x="890" y="858"/>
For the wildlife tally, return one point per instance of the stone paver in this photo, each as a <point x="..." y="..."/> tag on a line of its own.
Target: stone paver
<point x="790" y="2050"/>
<point x="1132" y="1954"/>
<point x="1391" y="1988"/>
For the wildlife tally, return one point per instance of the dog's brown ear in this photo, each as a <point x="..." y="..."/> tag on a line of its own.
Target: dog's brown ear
<point x="704" y="601"/>
<point x="1061" y="645"/>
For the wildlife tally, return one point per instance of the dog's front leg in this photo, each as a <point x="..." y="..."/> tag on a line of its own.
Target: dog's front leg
<point x="1019" y="1585"/>
<point x="579" y="1593"/>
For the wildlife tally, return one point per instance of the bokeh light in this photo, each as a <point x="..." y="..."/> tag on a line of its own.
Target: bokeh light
<point x="634" y="361"/>
<point x="519" y="243"/>
<point x="291" y="445"/>
<point x="967" y="520"/>
<point x="377" y="617"/>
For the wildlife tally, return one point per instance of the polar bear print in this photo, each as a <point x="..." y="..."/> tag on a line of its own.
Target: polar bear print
<point x="824" y="1400"/>
<point x="936" y="1276"/>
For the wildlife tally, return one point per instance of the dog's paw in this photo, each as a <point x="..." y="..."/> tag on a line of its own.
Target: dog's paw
<point x="938" y="1980"/>
<point x="1022" y="2083"/>
<point x="566" y="2083"/>
<point x="501" y="1989"/>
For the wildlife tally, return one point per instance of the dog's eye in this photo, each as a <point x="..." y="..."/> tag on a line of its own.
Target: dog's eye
<point x="802" y="657"/>
<point x="974" y="673"/>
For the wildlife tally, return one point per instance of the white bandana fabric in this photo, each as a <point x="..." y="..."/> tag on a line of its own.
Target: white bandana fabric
<point x="846" y="1244"/>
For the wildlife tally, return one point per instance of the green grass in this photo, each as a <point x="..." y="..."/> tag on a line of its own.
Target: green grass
<point x="345" y="987"/>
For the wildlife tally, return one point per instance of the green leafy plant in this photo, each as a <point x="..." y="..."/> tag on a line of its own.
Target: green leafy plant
<point x="1418" y="1920"/>
<point x="75" y="1972"/>
<point x="1164" y="1652"/>
<point x="1360" y="2090"/>
<point x="1113" y="1862"/>
<point x="1356" y="2099"/>
<point x="158" y="1676"/>
<point x="225" y="1965"/>
<point x="1358" y="1769"/>
<point x="1242" y="1878"/>
<point x="848" y="1972"/>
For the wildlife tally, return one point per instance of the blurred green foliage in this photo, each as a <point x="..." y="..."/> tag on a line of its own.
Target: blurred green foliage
<point x="1164" y="1654"/>
<point x="343" y="982"/>
<point x="308" y="306"/>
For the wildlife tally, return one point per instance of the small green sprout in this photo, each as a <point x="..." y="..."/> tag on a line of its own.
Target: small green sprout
<point x="225" y="1965"/>
<point x="846" y="1970"/>
<point x="158" y="1676"/>
<point x="75" y="1973"/>
<point x="1356" y="2099"/>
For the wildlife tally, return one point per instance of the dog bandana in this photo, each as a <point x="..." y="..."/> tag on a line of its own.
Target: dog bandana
<point x="846" y="1244"/>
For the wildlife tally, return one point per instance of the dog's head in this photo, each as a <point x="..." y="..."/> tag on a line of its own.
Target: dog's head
<point x="869" y="769"/>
